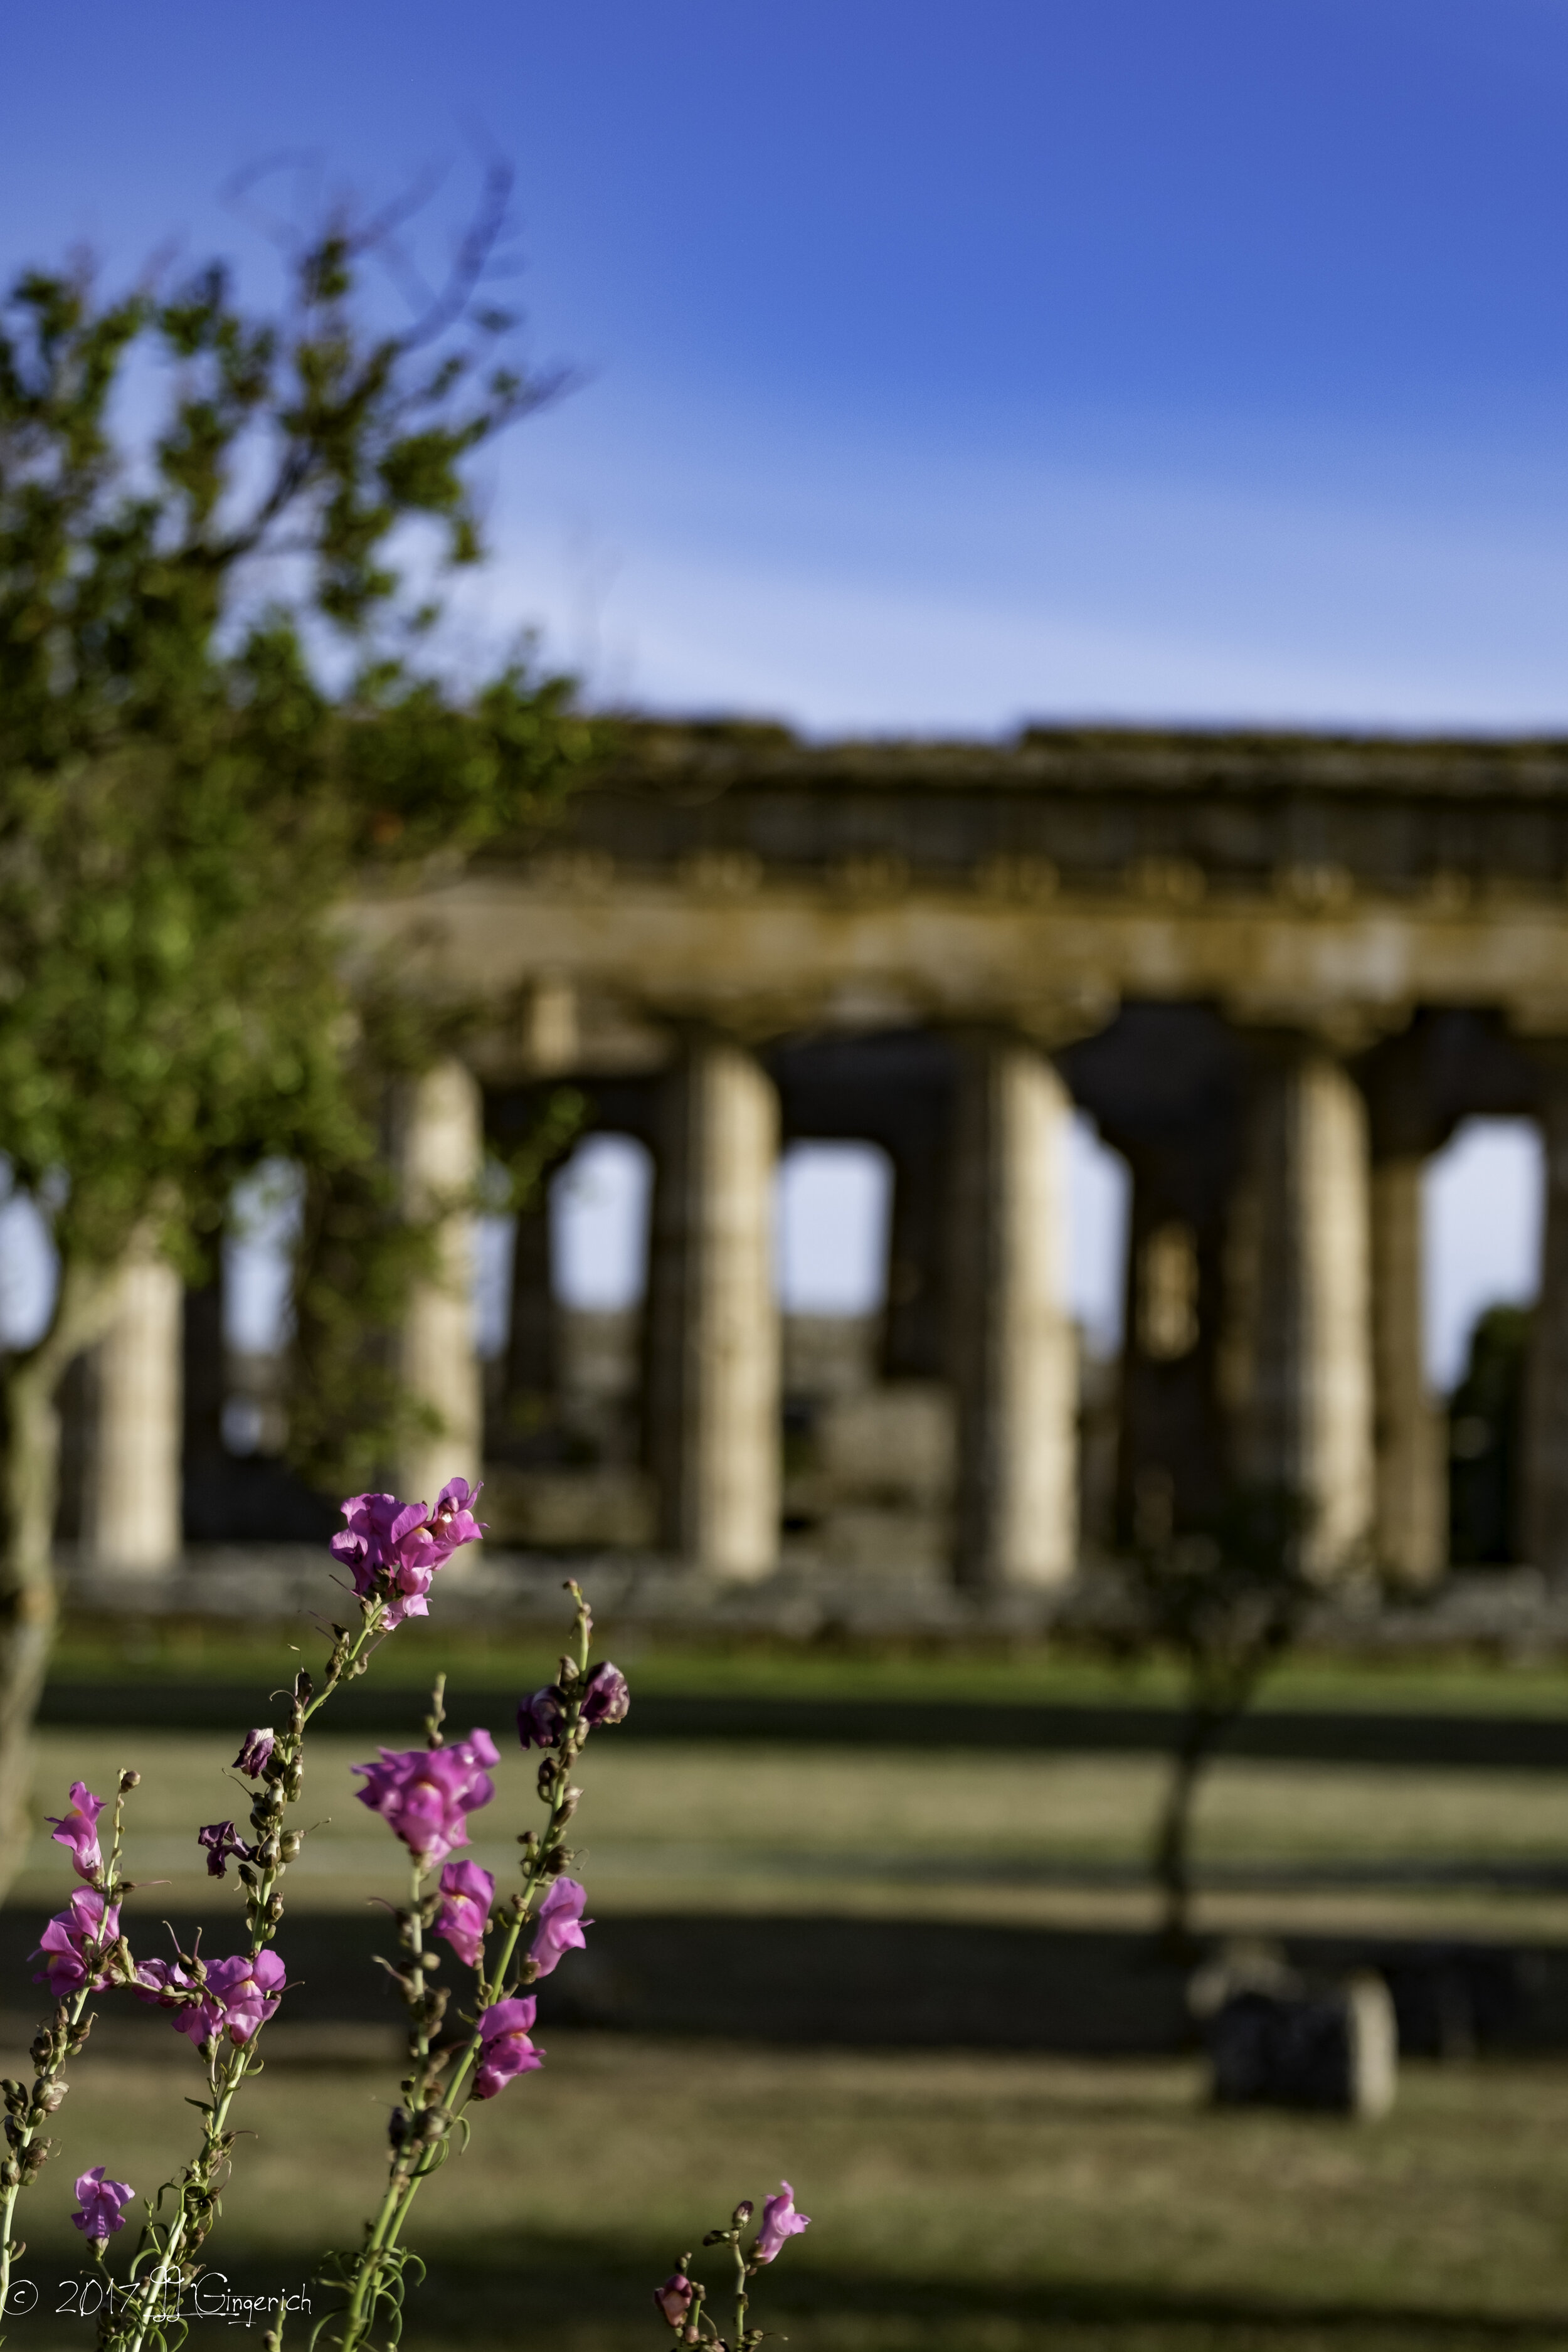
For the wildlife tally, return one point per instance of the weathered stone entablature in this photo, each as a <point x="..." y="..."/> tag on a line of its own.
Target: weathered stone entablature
<point x="736" y="875"/>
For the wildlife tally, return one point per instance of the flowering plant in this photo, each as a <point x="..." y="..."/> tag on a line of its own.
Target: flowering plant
<point x="459" y="2050"/>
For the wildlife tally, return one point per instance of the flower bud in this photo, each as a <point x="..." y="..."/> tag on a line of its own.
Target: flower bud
<point x="742" y="2212"/>
<point x="275" y="1909"/>
<point x="128" y="1780"/>
<point x="290" y="1845"/>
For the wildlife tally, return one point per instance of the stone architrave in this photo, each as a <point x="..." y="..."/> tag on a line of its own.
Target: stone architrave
<point x="712" y="1392"/>
<point x="132" y="1503"/>
<point x="1300" y="1351"/>
<point x="437" y="1145"/>
<point x="1014" y="1358"/>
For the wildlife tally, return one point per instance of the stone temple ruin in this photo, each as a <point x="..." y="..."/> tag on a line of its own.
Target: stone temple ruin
<point x="1276" y="971"/>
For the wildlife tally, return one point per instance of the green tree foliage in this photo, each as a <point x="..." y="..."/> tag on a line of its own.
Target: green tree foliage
<point x="217" y="534"/>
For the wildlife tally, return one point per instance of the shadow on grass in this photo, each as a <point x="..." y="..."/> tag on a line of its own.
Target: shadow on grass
<point x="590" y="2294"/>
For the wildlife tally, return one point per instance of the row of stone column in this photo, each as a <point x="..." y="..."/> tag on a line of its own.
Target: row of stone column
<point x="1316" y="1343"/>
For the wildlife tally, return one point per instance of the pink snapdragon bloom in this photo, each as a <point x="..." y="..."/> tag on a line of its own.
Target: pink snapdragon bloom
<point x="73" y="1944"/>
<point x="238" y="1997"/>
<point x="79" y="1829"/>
<point x="221" y="1841"/>
<point x="246" y="1993"/>
<point x="427" y="1793"/>
<point x="395" y="1549"/>
<point x="164" y="1984"/>
<point x="505" y="2049"/>
<point x="256" y="1752"/>
<point x="675" y="2298"/>
<point x="102" y="2204"/>
<point x="780" y="2221"/>
<point x="540" y="1719"/>
<point x="606" y="1698"/>
<point x="560" y="1926"/>
<point x="467" y="1894"/>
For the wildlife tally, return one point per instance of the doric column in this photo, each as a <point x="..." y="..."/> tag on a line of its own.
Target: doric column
<point x="1013" y="1353"/>
<point x="712" y="1391"/>
<point x="1545" y="1513"/>
<point x="131" y="1505"/>
<point x="1299" y="1374"/>
<point x="437" y="1144"/>
<point x="1407" y="1124"/>
<point x="1410" y="1530"/>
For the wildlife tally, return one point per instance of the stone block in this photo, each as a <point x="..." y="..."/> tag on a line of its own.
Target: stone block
<point x="1334" y="2050"/>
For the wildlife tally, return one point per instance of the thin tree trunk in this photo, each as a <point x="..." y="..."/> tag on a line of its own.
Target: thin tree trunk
<point x="29" y="1480"/>
<point x="1173" y="1839"/>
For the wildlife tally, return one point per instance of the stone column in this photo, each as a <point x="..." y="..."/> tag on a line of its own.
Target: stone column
<point x="712" y="1389"/>
<point x="1411" y="1518"/>
<point x="1299" y="1374"/>
<point x="1012" y="1354"/>
<point x="437" y="1144"/>
<point x="131" y="1505"/>
<point x="1545" y="1513"/>
<point x="1410" y="1523"/>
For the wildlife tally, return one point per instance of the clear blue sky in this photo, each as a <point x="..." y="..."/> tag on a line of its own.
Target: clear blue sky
<point x="950" y="364"/>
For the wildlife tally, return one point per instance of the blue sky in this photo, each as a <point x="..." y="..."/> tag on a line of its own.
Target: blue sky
<point x="948" y="366"/>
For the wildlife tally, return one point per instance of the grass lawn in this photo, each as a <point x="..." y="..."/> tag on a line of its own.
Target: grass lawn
<point x="755" y="1828"/>
<point x="997" y="1669"/>
<point x="960" y="2203"/>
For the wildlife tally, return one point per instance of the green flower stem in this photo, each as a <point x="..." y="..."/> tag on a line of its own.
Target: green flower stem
<point x="197" y="2199"/>
<point x="49" y="2088"/>
<point x="406" y="2173"/>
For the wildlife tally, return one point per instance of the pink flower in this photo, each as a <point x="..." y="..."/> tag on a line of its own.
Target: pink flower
<point x="467" y="1894"/>
<point x="164" y="1984"/>
<point x="246" y="1993"/>
<point x="394" y="1549"/>
<point x="74" y="1943"/>
<point x="560" y="1926"/>
<point x="239" y="1996"/>
<point x="221" y="1839"/>
<point x="674" y="2298"/>
<point x="780" y="2221"/>
<point x="102" y="2201"/>
<point x="539" y="1718"/>
<point x="79" y="1829"/>
<point x="255" y="1753"/>
<point x="427" y="1793"/>
<point x="505" y="2049"/>
<point x="606" y="1698"/>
